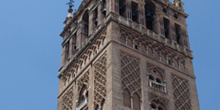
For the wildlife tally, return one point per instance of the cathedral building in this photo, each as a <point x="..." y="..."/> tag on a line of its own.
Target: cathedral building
<point x="127" y="55"/>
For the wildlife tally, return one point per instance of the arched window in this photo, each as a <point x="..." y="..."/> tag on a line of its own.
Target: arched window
<point x="67" y="51"/>
<point x="136" y="102"/>
<point x="127" y="98"/>
<point x="85" y="20"/>
<point x="149" y="15"/>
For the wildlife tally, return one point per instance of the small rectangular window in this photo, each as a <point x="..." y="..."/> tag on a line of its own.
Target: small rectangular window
<point x="166" y="27"/>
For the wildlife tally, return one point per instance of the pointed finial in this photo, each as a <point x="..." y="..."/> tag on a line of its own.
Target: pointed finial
<point x="70" y="3"/>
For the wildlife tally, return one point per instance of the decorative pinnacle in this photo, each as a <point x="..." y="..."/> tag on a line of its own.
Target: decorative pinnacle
<point x="70" y="3"/>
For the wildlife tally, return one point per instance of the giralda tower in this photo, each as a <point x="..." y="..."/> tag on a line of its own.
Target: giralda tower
<point x="127" y="55"/>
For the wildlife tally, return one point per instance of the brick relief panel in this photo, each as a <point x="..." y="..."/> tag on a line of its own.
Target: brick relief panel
<point x="100" y="82"/>
<point x="67" y="102"/>
<point x="131" y="81"/>
<point x="181" y="93"/>
<point x="130" y="71"/>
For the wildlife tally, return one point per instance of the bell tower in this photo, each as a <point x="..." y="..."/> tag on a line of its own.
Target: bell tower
<point x="126" y="55"/>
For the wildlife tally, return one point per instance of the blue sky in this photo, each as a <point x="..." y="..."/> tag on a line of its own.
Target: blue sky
<point x="30" y="51"/>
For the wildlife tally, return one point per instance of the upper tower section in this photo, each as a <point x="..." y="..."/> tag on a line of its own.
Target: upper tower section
<point x="161" y="20"/>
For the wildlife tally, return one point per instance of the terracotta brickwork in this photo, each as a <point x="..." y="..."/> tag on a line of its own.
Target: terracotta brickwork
<point x="100" y="82"/>
<point x="67" y="101"/>
<point x="181" y="93"/>
<point x="131" y="81"/>
<point x="127" y="55"/>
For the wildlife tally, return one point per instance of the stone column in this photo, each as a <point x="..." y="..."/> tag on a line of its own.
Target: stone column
<point x="79" y="36"/>
<point x="141" y="14"/>
<point x="162" y="31"/>
<point x="100" y="13"/>
<point x="144" y="85"/>
<point x="129" y="9"/>
<point x="183" y="35"/>
<point x="66" y="52"/>
<point x="91" y="22"/>
<point x="156" y="24"/>
<point x="169" y="87"/>
<point x="115" y="72"/>
<point x="63" y="56"/>
<point x="75" y="94"/>
<point x="84" y="33"/>
<point x="115" y="6"/>
<point x="91" y="88"/>
<point x="108" y="6"/>
<point x="171" y="30"/>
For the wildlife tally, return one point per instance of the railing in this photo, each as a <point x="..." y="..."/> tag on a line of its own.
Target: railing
<point x="158" y="86"/>
<point x="82" y="103"/>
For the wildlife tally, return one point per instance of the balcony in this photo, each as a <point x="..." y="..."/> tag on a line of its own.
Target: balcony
<point x="158" y="86"/>
<point x="82" y="103"/>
